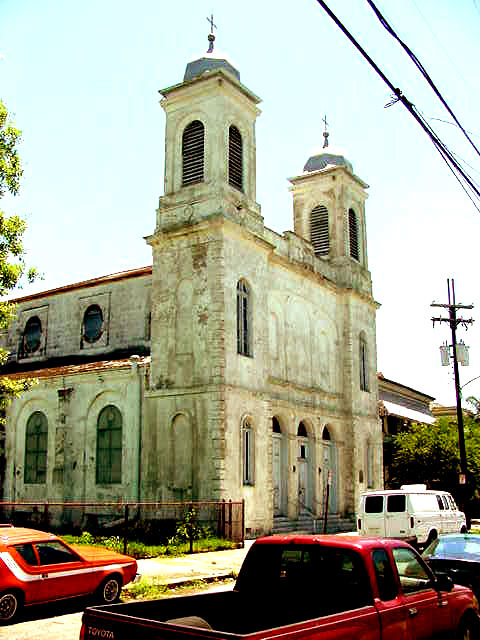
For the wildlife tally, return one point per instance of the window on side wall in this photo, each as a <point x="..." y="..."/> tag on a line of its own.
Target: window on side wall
<point x="109" y="446"/>
<point x="248" y="452"/>
<point x="235" y="158"/>
<point x="364" y="382"/>
<point x="36" y="445"/>
<point x="244" y="315"/>
<point x="193" y="153"/>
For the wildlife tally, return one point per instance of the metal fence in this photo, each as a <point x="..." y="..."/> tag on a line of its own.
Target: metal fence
<point x="148" y="522"/>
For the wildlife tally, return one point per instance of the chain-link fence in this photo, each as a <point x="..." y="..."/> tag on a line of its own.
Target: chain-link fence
<point x="148" y="522"/>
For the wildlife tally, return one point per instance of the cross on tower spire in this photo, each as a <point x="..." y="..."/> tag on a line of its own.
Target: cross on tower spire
<point x="211" y="37"/>
<point x="325" y="133"/>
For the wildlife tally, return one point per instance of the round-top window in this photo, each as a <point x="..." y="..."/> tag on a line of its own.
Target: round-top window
<point x="32" y="335"/>
<point x="92" y="323"/>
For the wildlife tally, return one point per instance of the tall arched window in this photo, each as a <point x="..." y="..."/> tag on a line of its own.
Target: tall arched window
<point x="319" y="230"/>
<point x="244" y="315"/>
<point x="248" y="452"/>
<point x="353" y="234"/>
<point x="363" y="356"/>
<point x="193" y="153"/>
<point x="36" y="444"/>
<point x="109" y="446"/>
<point x="235" y="158"/>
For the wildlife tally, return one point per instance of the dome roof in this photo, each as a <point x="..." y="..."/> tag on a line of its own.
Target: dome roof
<point x="209" y="62"/>
<point x="327" y="157"/>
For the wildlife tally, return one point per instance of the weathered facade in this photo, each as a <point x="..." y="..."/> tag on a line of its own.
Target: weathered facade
<point x="241" y="365"/>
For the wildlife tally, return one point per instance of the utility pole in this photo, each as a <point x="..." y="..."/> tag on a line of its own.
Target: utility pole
<point x="454" y="321"/>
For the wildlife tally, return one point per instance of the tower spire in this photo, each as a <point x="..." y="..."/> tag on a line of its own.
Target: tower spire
<point x="211" y="36"/>
<point x="325" y="132"/>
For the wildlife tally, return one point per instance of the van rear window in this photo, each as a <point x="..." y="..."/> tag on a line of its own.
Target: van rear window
<point x="373" y="504"/>
<point x="396" y="504"/>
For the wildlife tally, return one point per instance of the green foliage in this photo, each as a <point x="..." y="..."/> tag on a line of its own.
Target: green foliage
<point x="429" y="454"/>
<point x="13" y="268"/>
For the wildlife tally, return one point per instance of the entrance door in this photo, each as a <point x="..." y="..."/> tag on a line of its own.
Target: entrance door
<point x="279" y="468"/>
<point x="304" y="470"/>
<point x="329" y="471"/>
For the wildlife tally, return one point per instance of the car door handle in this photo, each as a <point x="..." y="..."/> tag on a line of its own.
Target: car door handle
<point x="412" y="611"/>
<point x="44" y="575"/>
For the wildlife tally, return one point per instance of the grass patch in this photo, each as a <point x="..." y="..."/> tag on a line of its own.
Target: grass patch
<point x="138" y="549"/>
<point x="153" y="589"/>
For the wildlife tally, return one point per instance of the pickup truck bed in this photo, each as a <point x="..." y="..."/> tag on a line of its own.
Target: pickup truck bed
<point x="330" y="587"/>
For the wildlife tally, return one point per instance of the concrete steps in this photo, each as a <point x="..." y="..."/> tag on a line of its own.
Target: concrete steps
<point x="307" y="524"/>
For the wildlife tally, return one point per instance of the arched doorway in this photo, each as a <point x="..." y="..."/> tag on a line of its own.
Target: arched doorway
<point x="304" y="468"/>
<point x="329" y="471"/>
<point x="279" y="469"/>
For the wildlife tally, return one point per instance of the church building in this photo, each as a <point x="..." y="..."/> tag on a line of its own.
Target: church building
<point x="240" y="365"/>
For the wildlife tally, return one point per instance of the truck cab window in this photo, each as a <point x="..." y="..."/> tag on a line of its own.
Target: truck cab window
<point x="386" y="583"/>
<point x="412" y="573"/>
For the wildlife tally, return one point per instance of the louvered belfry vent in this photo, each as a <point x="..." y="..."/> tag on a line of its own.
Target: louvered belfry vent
<point x="235" y="158"/>
<point x="353" y="234"/>
<point x="193" y="153"/>
<point x="319" y="230"/>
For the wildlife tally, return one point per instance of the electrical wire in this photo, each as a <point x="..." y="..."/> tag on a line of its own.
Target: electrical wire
<point x="419" y="66"/>
<point x="466" y="182"/>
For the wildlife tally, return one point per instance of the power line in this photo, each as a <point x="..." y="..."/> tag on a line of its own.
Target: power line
<point x="462" y="177"/>
<point x="419" y="66"/>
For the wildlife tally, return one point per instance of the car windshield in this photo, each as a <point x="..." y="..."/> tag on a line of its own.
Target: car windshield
<point x="466" y="547"/>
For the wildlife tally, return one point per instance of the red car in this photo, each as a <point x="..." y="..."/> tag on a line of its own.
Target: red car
<point x="38" y="567"/>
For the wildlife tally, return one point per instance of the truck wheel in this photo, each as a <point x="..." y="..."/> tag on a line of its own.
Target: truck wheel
<point x="109" y="590"/>
<point x="468" y="629"/>
<point x="10" y="604"/>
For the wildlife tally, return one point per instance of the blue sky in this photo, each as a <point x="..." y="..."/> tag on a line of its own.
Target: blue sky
<point x="82" y="81"/>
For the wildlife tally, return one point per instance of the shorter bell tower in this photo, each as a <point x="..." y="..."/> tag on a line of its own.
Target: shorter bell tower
<point x="329" y="211"/>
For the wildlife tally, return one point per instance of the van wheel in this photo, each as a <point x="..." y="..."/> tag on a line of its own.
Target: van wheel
<point x="463" y="529"/>
<point x="433" y="535"/>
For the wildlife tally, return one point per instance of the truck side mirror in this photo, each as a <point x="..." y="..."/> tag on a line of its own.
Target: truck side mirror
<point x="442" y="582"/>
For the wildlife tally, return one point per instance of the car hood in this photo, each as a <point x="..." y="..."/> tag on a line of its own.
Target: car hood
<point x="99" y="555"/>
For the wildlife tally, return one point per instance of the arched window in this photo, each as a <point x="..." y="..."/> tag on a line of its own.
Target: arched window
<point x="193" y="153"/>
<point x="248" y="452"/>
<point x="92" y="323"/>
<point x="36" y="444"/>
<point x="32" y="336"/>
<point x="302" y="431"/>
<point x="244" y="315"/>
<point x="353" y="234"/>
<point x="319" y="230"/>
<point x="325" y="434"/>
<point x="109" y="446"/>
<point x="235" y="158"/>
<point x="276" y="426"/>
<point x="363" y="356"/>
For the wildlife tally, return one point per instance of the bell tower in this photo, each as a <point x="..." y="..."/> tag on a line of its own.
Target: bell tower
<point x="329" y="211"/>
<point x="210" y="147"/>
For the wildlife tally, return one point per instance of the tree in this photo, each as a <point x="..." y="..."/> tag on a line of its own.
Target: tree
<point x="13" y="268"/>
<point x="429" y="454"/>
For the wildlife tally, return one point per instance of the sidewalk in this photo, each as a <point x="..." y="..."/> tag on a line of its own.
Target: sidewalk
<point x="212" y="565"/>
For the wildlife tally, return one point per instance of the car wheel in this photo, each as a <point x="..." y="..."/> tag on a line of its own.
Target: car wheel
<point x="468" y="629"/>
<point x="10" y="604"/>
<point x="109" y="590"/>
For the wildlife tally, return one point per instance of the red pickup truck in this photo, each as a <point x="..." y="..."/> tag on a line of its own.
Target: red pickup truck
<point x="297" y="587"/>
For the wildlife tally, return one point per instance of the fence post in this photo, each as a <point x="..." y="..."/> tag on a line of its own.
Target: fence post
<point x="243" y="523"/>
<point x="190" y="526"/>
<point x="222" y="518"/>
<point x="230" y="527"/>
<point x="125" y="530"/>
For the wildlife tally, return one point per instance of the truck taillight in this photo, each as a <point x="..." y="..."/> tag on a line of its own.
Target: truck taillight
<point x="412" y="522"/>
<point x="82" y="632"/>
<point x="359" y="524"/>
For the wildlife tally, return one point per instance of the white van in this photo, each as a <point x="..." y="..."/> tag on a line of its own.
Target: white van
<point x="410" y="513"/>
